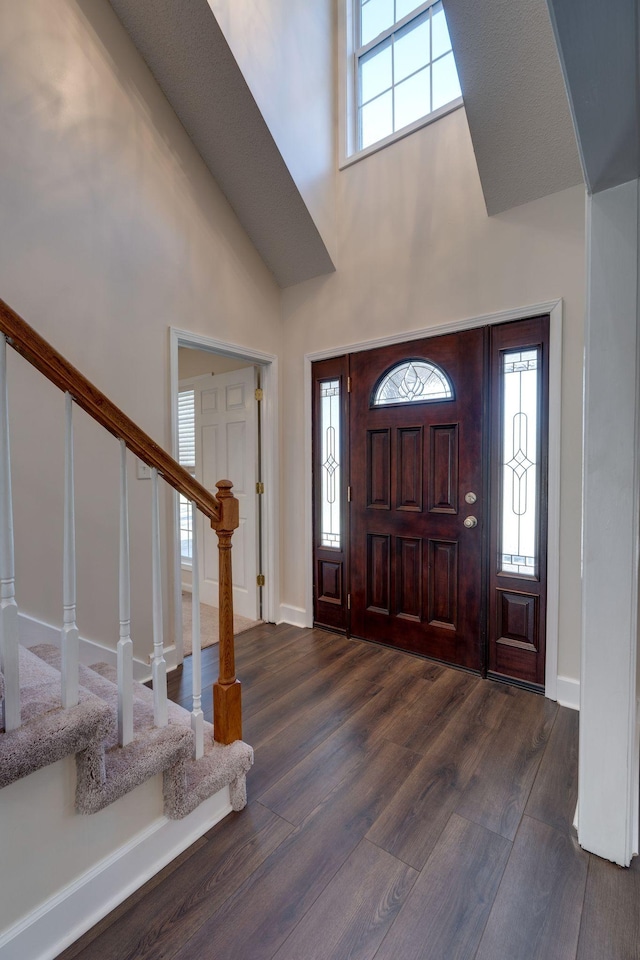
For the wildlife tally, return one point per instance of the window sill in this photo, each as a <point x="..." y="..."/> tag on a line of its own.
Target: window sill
<point x="400" y="134"/>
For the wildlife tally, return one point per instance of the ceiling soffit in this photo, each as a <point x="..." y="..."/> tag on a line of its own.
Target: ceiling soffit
<point x="515" y="99"/>
<point x="186" y="51"/>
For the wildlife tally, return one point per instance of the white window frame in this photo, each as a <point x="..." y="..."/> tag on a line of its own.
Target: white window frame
<point x="350" y="52"/>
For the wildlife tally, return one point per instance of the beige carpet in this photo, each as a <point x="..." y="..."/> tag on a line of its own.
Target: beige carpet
<point x="208" y="624"/>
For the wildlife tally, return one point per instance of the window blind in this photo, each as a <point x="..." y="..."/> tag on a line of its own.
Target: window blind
<point x="187" y="430"/>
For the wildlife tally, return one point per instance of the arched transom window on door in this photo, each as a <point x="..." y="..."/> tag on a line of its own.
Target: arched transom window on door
<point x="412" y="381"/>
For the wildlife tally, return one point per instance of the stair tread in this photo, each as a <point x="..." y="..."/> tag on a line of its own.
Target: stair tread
<point x="48" y="731"/>
<point x="104" y="685"/>
<point x="105" y="776"/>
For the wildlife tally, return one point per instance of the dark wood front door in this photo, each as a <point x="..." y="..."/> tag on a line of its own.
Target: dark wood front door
<point x="416" y="553"/>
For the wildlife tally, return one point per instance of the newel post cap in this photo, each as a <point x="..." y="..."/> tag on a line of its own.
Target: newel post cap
<point x="229" y="507"/>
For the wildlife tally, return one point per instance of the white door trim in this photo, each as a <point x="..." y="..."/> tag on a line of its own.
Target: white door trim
<point x="270" y="463"/>
<point x="554" y="309"/>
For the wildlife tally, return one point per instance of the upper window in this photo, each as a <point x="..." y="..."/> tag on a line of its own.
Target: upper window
<point x="404" y="66"/>
<point x="412" y="381"/>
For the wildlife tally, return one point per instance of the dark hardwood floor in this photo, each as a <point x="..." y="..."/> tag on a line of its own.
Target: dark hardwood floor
<point x="398" y="810"/>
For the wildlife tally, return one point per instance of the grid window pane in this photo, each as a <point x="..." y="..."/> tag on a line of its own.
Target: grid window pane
<point x="376" y="120"/>
<point x="186" y="536"/>
<point x="440" y="39"/>
<point x="446" y="86"/>
<point x="375" y="16"/>
<point x="409" y="72"/>
<point x="411" y="50"/>
<point x="410" y="98"/>
<point x="376" y="75"/>
<point x="404" y="7"/>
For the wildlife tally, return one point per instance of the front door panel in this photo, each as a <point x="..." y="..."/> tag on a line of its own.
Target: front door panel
<point x="416" y="568"/>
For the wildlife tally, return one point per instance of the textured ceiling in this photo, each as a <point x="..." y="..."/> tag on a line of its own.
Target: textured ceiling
<point x="190" y="59"/>
<point x="598" y="45"/>
<point x="515" y="99"/>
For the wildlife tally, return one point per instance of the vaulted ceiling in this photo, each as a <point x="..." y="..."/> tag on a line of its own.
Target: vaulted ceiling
<point x="186" y="51"/>
<point x="519" y="114"/>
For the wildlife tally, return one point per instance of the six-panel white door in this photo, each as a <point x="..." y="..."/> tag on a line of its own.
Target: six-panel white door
<point x="226" y="448"/>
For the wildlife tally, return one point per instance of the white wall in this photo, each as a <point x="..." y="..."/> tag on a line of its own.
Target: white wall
<point x="285" y="51"/>
<point x="197" y="363"/>
<point x="416" y="249"/>
<point x="112" y="230"/>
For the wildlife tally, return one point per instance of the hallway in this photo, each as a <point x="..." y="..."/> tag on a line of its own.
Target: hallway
<point x="397" y="809"/>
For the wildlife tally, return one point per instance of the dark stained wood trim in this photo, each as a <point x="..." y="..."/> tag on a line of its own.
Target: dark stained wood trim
<point x="518" y="660"/>
<point x="332" y="612"/>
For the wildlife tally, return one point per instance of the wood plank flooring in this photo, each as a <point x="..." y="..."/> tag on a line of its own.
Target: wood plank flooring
<point x="398" y="810"/>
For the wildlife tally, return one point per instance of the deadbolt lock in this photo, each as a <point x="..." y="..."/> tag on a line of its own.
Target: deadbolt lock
<point x="470" y="498"/>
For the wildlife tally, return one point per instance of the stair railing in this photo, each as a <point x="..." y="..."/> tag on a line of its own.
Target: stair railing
<point x="220" y="510"/>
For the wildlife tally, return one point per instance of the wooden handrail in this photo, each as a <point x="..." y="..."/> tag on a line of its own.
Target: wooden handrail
<point x="68" y="378"/>
<point x="222" y="510"/>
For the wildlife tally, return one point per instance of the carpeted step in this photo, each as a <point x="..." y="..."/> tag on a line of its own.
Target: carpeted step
<point x="49" y="732"/>
<point x="153" y="750"/>
<point x="196" y="780"/>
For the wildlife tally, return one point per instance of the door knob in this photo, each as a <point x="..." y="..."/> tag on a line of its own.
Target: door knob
<point x="470" y="522"/>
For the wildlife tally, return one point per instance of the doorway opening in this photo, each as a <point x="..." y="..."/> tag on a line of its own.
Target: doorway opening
<point x="223" y="417"/>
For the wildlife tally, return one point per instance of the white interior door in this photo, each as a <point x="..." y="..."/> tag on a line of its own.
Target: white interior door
<point x="226" y="421"/>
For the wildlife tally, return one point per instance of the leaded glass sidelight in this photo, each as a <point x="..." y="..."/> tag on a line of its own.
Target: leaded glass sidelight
<point x="518" y="551"/>
<point x="330" y="462"/>
<point x="413" y="381"/>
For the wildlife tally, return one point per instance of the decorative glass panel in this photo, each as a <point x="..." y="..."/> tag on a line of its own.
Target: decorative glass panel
<point x="413" y="381"/>
<point x="518" y="548"/>
<point x="330" y="462"/>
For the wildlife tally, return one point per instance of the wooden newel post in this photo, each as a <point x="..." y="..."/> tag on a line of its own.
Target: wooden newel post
<point x="227" y="705"/>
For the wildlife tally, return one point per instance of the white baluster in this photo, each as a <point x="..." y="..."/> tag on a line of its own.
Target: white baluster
<point x="159" y="666"/>
<point x="69" y="632"/>
<point x="197" y="716"/>
<point x="9" y="643"/>
<point x="125" y="646"/>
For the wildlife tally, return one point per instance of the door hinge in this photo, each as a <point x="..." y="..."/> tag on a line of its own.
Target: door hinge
<point x="348" y="494"/>
<point x="348" y="601"/>
<point x="259" y="487"/>
<point x="260" y="579"/>
<point x="348" y="384"/>
<point x="259" y="394"/>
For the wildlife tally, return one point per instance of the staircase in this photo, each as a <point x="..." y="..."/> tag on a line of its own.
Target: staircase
<point x="121" y="732"/>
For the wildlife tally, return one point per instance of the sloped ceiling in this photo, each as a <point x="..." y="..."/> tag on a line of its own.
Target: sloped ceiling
<point x="186" y="51"/>
<point x="598" y="43"/>
<point x="515" y="99"/>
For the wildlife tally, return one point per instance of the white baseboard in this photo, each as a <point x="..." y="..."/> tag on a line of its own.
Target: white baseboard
<point x="50" y="929"/>
<point x="33" y="631"/>
<point x="296" y="616"/>
<point x="568" y="693"/>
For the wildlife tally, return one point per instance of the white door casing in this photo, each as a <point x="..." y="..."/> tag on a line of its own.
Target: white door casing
<point x="226" y="448"/>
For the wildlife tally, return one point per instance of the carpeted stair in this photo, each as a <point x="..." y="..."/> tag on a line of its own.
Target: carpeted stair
<point x="102" y="779"/>
<point x="49" y="732"/>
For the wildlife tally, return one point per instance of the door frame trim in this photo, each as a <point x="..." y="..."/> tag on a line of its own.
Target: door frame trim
<point x="555" y="310"/>
<point x="270" y="462"/>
